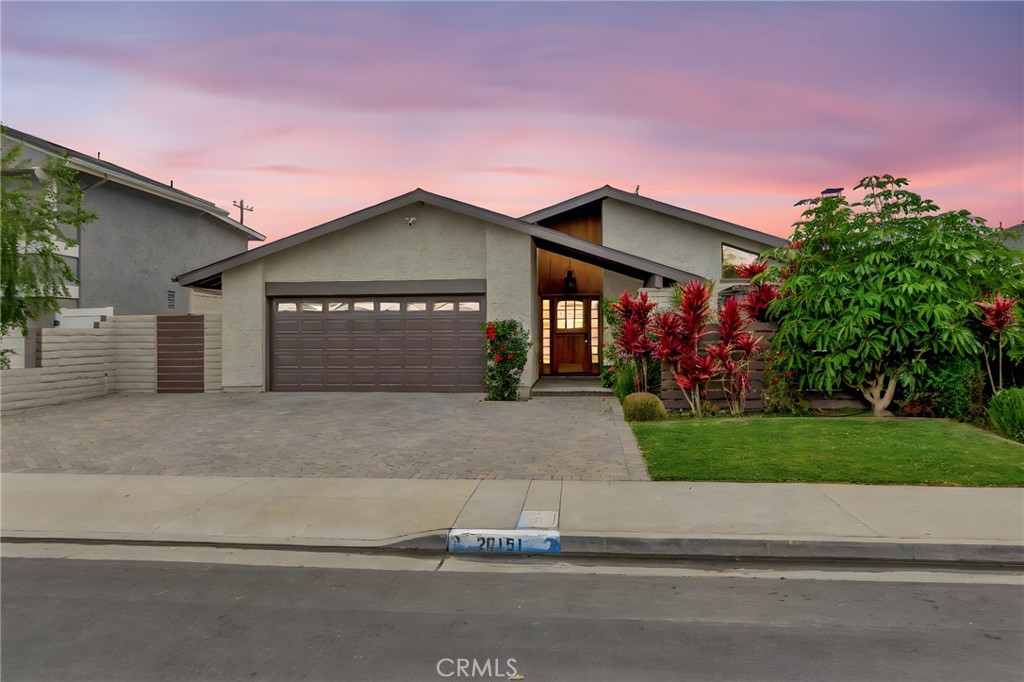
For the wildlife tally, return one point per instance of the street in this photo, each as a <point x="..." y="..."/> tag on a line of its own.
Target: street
<point x="179" y="616"/>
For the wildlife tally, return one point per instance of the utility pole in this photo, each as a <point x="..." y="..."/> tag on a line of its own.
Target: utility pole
<point x="242" y="208"/>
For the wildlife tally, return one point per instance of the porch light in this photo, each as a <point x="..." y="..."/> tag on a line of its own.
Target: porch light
<point x="570" y="281"/>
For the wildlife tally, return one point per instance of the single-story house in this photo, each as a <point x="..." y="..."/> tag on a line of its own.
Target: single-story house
<point x="392" y="297"/>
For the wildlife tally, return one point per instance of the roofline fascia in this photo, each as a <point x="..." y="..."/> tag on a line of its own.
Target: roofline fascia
<point x="154" y="188"/>
<point x="541" y="233"/>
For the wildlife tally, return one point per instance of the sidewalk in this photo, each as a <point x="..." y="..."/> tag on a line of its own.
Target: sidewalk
<point x="676" y="519"/>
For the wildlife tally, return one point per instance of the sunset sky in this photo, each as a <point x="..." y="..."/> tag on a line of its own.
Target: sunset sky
<point x="309" y="111"/>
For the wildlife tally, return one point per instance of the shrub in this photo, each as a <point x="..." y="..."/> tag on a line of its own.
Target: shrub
<point x="1006" y="410"/>
<point x="949" y="387"/>
<point x="505" y="349"/>
<point x="780" y="391"/>
<point x="623" y="381"/>
<point x="643" y="407"/>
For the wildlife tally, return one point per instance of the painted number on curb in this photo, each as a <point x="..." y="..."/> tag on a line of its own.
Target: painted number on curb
<point x="504" y="541"/>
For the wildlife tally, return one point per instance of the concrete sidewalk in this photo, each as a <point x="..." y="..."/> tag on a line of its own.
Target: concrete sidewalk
<point x="678" y="519"/>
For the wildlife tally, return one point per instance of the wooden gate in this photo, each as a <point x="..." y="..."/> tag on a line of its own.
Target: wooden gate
<point x="179" y="354"/>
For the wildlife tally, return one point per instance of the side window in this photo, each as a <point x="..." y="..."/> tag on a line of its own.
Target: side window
<point x="732" y="257"/>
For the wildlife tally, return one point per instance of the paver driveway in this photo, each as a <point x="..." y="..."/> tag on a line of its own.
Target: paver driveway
<point x="344" y="435"/>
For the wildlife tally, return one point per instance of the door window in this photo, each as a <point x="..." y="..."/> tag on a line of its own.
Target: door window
<point x="569" y="315"/>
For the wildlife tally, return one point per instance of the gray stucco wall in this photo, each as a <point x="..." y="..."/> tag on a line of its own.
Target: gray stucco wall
<point x="129" y="254"/>
<point x="138" y="242"/>
<point x="664" y="239"/>
<point x="440" y="245"/>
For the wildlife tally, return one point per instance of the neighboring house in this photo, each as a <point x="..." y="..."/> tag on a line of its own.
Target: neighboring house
<point x="392" y="297"/>
<point x="145" y="233"/>
<point x="1016" y="237"/>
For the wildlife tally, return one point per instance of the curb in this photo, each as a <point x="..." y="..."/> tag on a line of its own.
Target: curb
<point x="617" y="546"/>
<point x="803" y="549"/>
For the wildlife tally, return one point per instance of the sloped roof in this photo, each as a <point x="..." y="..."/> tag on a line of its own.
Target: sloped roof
<point x="209" y="276"/>
<point x="104" y="169"/>
<point x="609" y="192"/>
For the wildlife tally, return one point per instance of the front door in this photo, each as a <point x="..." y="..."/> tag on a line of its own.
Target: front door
<point x="574" y="328"/>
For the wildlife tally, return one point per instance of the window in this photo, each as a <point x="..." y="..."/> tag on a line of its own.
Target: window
<point x="311" y="307"/>
<point x="337" y="306"/>
<point x="170" y="299"/>
<point x="416" y="307"/>
<point x="363" y="306"/>
<point x="287" y="307"/>
<point x="569" y="315"/>
<point x="546" y="332"/>
<point x="469" y="306"/>
<point x="731" y="257"/>
<point x="595" y="333"/>
<point x="444" y="306"/>
<point x="390" y="306"/>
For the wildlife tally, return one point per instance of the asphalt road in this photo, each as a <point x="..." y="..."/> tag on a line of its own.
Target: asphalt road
<point x="66" y="619"/>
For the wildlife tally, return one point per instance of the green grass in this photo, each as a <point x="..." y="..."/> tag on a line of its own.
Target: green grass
<point x="837" y="450"/>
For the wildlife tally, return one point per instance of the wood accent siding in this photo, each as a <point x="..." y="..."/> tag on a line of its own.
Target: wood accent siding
<point x="180" y="354"/>
<point x="551" y="267"/>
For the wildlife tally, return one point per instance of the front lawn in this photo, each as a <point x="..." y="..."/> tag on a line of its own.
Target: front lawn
<point x="837" y="450"/>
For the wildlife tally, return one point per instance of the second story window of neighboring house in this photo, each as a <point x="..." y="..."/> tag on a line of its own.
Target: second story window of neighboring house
<point x="732" y="257"/>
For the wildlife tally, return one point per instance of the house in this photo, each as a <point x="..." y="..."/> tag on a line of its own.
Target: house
<point x="1015" y="237"/>
<point x="145" y="233"/>
<point x="392" y="297"/>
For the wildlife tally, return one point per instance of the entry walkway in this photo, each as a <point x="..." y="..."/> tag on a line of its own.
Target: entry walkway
<point x="332" y="435"/>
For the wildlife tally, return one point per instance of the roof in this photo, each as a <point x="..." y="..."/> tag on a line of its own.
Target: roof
<point x="609" y="192"/>
<point x="209" y="276"/>
<point x="109" y="171"/>
<point x="1016" y="241"/>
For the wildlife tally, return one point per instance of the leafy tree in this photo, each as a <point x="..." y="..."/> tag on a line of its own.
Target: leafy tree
<point x="35" y="203"/>
<point x="871" y="291"/>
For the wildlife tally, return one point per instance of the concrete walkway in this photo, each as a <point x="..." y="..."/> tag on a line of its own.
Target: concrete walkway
<point x="682" y="519"/>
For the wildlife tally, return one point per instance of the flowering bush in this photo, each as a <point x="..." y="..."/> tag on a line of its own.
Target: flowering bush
<point x="506" y="348"/>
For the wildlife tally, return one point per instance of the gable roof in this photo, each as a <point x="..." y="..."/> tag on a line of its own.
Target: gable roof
<point x="209" y="276"/>
<point x="609" y="192"/>
<point x="109" y="171"/>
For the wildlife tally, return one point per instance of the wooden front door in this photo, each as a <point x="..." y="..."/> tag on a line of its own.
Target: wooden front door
<point x="573" y="325"/>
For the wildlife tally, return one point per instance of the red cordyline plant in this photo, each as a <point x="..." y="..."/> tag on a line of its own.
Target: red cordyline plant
<point x="736" y="348"/>
<point x="755" y="302"/>
<point x="634" y="342"/>
<point x="678" y="335"/>
<point x="998" y="317"/>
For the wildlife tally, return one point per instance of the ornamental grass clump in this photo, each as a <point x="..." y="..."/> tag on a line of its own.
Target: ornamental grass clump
<point x="506" y="348"/>
<point x="1006" y="411"/>
<point x="643" y="407"/>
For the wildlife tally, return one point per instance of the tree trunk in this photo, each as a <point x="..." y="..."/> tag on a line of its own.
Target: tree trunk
<point x="879" y="393"/>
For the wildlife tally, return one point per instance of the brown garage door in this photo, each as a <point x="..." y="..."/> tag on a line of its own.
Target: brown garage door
<point x="427" y="343"/>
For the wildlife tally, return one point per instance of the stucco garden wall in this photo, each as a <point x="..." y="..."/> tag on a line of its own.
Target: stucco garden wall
<point x="440" y="245"/>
